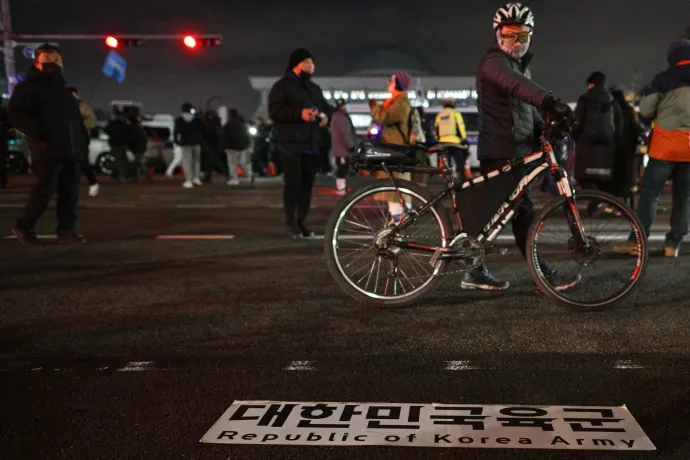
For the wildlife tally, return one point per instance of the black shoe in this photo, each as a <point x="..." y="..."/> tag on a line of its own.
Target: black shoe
<point x="481" y="279"/>
<point x="71" y="238"/>
<point x="559" y="281"/>
<point x="293" y="231"/>
<point x="25" y="237"/>
<point x="306" y="233"/>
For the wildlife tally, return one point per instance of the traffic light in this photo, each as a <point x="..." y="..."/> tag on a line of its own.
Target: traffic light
<point x="191" y="41"/>
<point x="115" y="42"/>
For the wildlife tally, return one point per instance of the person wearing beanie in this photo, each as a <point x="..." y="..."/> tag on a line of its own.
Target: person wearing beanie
<point x="298" y="109"/>
<point x="393" y="115"/>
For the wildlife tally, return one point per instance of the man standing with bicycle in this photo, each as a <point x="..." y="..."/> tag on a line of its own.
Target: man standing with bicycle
<point x="509" y="103"/>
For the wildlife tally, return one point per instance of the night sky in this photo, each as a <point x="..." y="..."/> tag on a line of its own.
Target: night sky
<point x="571" y="39"/>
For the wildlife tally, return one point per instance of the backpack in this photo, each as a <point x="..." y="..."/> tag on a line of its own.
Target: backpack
<point x="601" y="127"/>
<point x="414" y="123"/>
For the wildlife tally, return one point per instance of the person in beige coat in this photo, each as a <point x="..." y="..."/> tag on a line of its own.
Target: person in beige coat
<point x="393" y="116"/>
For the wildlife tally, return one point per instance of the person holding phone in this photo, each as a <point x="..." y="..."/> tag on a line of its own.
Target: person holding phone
<point x="298" y="109"/>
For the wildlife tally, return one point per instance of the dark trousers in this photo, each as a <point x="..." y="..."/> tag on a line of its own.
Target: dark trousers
<point x="89" y="173"/>
<point x="51" y="176"/>
<point x="121" y="161"/>
<point x="299" y="172"/>
<point x="342" y="165"/>
<point x="4" y="155"/>
<point x="655" y="176"/>
<point x="524" y="214"/>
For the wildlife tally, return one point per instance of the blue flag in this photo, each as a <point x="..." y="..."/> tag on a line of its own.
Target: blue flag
<point x="115" y="66"/>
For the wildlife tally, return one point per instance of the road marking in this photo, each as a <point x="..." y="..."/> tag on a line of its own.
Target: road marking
<point x="300" y="366"/>
<point x="195" y="237"/>
<point x="485" y="426"/>
<point x="201" y="206"/>
<point x="108" y="206"/>
<point x="137" y="366"/>
<point x="460" y="366"/>
<point x="40" y="237"/>
<point x="627" y="364"/>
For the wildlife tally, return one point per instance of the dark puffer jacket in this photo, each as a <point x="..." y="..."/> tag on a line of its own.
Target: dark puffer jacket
<point x="48" y="114"/>
<point x="508" y="99"/>
<point x="288" y="97"/>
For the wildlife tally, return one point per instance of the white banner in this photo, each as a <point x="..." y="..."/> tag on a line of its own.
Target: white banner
<point x="429" y="425"/>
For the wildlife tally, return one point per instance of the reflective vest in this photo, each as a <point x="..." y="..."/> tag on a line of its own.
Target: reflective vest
<point x="450" y="127"/>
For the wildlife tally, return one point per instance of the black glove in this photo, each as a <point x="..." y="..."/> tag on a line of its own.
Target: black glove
<point x="557" y="109"/>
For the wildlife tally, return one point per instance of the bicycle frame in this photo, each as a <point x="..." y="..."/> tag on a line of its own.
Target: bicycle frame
<point x="504" y="214"/>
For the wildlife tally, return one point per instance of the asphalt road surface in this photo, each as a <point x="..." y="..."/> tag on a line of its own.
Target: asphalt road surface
<point x="133" y="347"/>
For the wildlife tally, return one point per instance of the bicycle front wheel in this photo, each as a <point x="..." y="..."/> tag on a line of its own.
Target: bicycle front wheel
<point x="595" y="276"/>
<point x="365" y="261"/>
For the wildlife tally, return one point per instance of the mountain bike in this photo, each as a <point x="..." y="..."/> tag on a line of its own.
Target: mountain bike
<point x="391" y="243"/>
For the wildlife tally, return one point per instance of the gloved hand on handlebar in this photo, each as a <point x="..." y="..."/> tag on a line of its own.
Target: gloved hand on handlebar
<point x="560" y="111"/>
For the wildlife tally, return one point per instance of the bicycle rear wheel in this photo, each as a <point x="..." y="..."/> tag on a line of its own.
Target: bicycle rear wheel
<point x="393" y="276"/>
<point x="605" y="278"/>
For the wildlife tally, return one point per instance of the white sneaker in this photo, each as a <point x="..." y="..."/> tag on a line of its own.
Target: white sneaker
<point x="187" y="184"/>
<point x="169" y="175"/>
<point x="234" y="181"/>
<point x="197" y="182"/>
<point x="93" y="189"/>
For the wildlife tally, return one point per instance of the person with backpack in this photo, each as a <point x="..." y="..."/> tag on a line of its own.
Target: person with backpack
<point x="343" y="145"/>
<point x="237" y="143"/>
<point x="596" y="137"/>
<point x="665" y="101"/>
<point x="396" y="118"/>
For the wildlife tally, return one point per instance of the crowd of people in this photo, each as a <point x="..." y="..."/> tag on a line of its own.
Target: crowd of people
<point x="304" y="133"/>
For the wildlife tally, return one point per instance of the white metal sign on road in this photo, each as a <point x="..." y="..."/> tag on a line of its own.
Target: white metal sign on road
<point x="429" y="425"/>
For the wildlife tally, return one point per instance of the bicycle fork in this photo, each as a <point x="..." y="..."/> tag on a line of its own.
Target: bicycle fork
<point x="572" y="214"/>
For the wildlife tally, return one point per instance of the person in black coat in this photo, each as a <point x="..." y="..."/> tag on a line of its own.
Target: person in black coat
<point x="509" y="123"/>
<point x="627" y="165"/>
<point x="597" y="137"/>
<point x="4" y="146"/>
<point x="44" y="109"/>
<point x="298" y="109"/>
<point x="237" y="143"/>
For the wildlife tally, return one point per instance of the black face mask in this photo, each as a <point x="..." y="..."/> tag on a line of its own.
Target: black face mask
<point x="51" y="68"/>
<point x="305" y="76"/>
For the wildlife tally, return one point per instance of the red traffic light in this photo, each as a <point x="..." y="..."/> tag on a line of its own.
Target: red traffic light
<point x="111" y="42"/>
<point x="189" y="41"/>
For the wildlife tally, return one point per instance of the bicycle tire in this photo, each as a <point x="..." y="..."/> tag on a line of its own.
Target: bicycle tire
<point x="382" y="186"/>
<point x="546" y="287"/>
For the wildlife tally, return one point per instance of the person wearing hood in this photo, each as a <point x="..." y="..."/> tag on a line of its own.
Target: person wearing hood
<point x="188" y="134"/>
<point x="44" y="109"/>
<point x="509" y="106"/>
<point x="666" y="100"/>
<point x="343" y="145"/>
<point x="118" y="131"/>
<point x="597" y="137"/>
<point x="237" y="143"/>
<point x="298" y="109"/>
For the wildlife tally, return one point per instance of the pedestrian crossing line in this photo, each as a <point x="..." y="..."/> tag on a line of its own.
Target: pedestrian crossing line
<point x="462" y="365"/>
<point x="300" y="366"/>
<point x="195" y="237"/>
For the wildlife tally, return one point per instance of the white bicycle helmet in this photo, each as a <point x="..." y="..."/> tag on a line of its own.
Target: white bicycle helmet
<point x="513" y="14"/>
